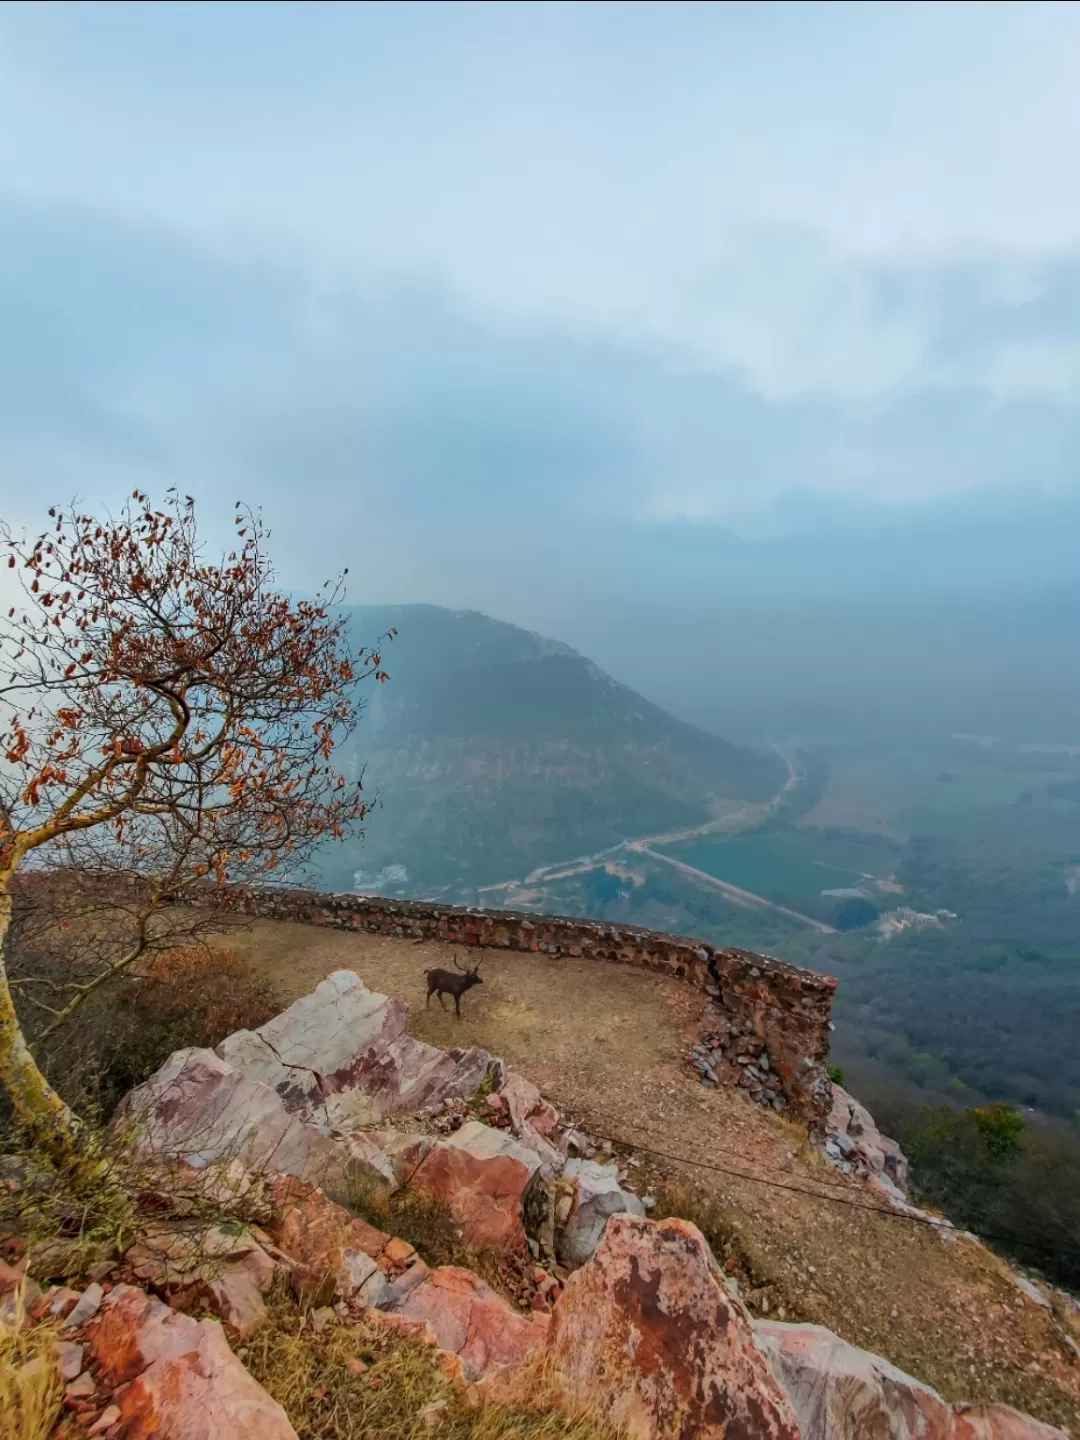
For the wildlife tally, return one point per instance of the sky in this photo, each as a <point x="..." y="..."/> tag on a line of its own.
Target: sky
<point x="561" y="311"/>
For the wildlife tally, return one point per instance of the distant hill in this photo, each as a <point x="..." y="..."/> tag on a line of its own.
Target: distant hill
<point x="494" y="750"/>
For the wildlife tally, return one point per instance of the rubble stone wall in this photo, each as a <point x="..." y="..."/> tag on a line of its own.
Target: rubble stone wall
<point x="785" y="1007"/>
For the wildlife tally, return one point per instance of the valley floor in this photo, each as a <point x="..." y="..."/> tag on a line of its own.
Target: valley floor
<point x="606" y="1044"/>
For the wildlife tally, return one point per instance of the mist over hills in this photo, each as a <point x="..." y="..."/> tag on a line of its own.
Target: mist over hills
<point x="493" y="750"/>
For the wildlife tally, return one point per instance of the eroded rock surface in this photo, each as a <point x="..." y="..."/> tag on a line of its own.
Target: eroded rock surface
<point x="647" y="1333"/>
<point x="175" y="1378"/>
<point x="482" y="1176"/>
<point x="197" y="1109"/>
<point x="854" y="1139"/>
<point x="839" y="1392"/>
<point x="597" y="1196"/>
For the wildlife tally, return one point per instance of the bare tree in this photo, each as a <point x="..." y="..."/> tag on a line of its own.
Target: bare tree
<point x="165" y="722"/>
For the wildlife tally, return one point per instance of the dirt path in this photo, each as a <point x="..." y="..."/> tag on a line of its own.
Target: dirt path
<point x="605" y="1042"/>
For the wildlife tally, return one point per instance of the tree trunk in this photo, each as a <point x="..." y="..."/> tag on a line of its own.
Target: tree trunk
<point x="52" y="1123"/>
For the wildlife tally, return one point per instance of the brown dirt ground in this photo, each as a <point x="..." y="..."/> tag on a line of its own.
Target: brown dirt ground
<point x="606" y="1045"/>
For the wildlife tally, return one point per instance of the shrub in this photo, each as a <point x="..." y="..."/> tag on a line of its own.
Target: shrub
<point x="190" y="995"/>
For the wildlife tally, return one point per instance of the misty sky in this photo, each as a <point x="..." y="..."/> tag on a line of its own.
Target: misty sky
<point x="549" y="309"/>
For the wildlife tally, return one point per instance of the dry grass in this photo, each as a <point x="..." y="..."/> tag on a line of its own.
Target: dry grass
<point x="30" y="1390"/>
<point x="88" y="1204"/>
<point x="725" y="1230"/>
<point x="428" y="1226"/>
<point x="352" y="1380"/>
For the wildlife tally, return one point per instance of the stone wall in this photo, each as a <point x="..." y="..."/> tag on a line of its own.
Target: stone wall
<point x="779" y="1005"/>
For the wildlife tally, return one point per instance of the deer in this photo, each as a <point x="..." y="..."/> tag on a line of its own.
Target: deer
<point x="446" y="982"/>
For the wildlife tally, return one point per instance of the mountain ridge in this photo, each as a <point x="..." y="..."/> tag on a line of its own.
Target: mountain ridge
<point x="493" y="749"/>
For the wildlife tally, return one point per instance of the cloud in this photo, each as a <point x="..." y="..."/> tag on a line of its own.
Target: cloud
<point x="785" y="195"/>
<point x="444" y="457"/>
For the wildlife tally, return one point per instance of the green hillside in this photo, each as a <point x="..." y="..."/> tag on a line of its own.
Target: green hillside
<point x="493" y="750"/>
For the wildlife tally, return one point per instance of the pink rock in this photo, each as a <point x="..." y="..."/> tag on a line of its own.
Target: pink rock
<point x="532" y="1119"/>
<point x="647" y="1334"/>
<point x="69" y="1359"/>
<point x="106" y="1420"/>
<point x="465" y="1318"/>
<point x="840" y="1392"/>
<point x="236" y="1293"/>
<point x="481" y="1175"/>
<point x="344" y="1039"/>
<point x="59" y="1302"/>
<point x="401" y="1151"/>
<point x="198" y="1109"/>
<point x="311" y="1050"/>
<point x="844" y="1393"/>
<point x="526" y="1105"/>
<point x="334" y="1253"/>
<point x="181" y="1379"/>
<point x="1000" y="1422"/>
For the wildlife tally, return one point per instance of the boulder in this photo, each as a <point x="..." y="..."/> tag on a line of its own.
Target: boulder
<point x="236" y="1291"/>
<point x="335" y="1255"/>
<point x="198" y="1110"/>
<point x="223" y="1267"/>
<point x="597" y="1196"/>
<point x="175" y="1378"/>
<point x="649" y="1337"/>
<point x="482" y="1176"/>
<point x="311" y="1050"/>
<point x="839" y="1392"/>
<point x="854" y="1134"/>
<point x="532" y="1119"/>
<point x="463" y="1317"/>
<point x="1000" y="1422"/>
<point x="340" y="1057"/>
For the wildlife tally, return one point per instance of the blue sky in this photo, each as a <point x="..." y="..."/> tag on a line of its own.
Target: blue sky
<point x="545" y="307"/>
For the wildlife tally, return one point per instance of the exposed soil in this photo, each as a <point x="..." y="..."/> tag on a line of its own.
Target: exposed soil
<point x="606" y="1044"/>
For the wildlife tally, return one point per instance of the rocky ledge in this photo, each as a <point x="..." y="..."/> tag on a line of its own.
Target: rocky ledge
<point x="627" y="1315"/>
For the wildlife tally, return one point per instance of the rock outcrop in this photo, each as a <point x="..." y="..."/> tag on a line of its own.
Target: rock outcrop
<point x="474" y="1328"/>
<point x="196" y="1108"/>
<point x="344" y="1039"/>
<point x="172" y="1376"/>
<point x="854" y="1141"/>
<point x="309" y="1095"/>
<point x="482" y="1176"/>
<point x="839" y="1392"/>
<point x="596" y="1197"/>
<point x="649" y="1336"/>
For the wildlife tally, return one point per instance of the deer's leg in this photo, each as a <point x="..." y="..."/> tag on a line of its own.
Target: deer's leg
<point x="457" y="1006"/>
<point x="442" y="1001"/>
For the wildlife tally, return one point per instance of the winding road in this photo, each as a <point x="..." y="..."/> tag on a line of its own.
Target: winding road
<point x="744" y="817"/>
